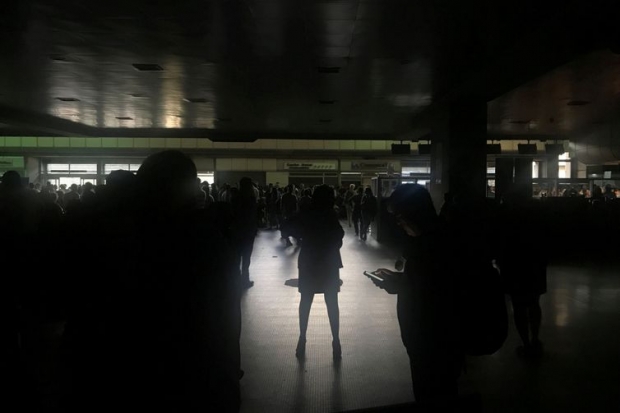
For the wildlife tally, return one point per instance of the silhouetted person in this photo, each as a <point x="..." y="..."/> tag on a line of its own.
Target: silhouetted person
<point x="369" y="211"/>
<point x="18" y="225"/>
<point x="244" y="226"/>
<point x="288" y="208"/>
<point x="272" y="199"/>
<point x="73" y="194"/>
<point x="305" y="202"/>
<point x="319" y="263"/>
<point x="609" y="192"/>
<point x="348" y="196"/>
<point x="169" y="336"/>
<point x="426" y="299"/>
<point x="445" y="210"/>
<point x="208" y="197"/>
<point x="523" y="267"/>
<point x="356" y="214"/>
<point x="201" y="195"/>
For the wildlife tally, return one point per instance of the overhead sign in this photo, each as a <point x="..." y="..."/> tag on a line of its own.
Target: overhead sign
<point x="369" y="165"/>
<point x="310" y="166"/>
<point x="607" y="175"/>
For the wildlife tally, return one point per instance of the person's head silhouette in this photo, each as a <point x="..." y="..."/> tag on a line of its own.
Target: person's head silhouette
<point x="323" y="197"/>
<point x="166" y="181"/>
<point x="413" y="208"/>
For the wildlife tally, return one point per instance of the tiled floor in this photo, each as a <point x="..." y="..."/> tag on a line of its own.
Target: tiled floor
<point x="581" y="331"/>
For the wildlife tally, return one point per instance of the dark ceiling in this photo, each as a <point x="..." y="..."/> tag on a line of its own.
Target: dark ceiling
<point x="300" y="69"/>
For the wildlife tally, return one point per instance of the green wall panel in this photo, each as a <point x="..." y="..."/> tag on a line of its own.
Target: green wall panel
<point x="125" y="142"/>
<point x="12" y="141"/>
<point x="62" y="142"/>
<point x="29" y="141"/>
<point x="109" y="143"/>
<point x="157" y="142"/>
<point x="93" y="142"/>
<point x="78" y="142"/>
<point x="45" y="142"/>
<point x="141" y="143"/>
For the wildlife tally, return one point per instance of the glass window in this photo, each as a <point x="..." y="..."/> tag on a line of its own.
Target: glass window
<point x="110" y="167"/>
<point x="490" y="170"/>
<point x="83" y="168"/>
<point x="535" y="169"/>
<point x="57" y="168"/>
<point x="72" y="168"/>
<point x="408" y="170"/>
<point x="70" y="180"/>
<point x="206" y="176"/>
<point x="491" y="188"/>
<point x="564" y="169"/>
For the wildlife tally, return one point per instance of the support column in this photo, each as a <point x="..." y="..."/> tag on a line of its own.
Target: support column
<point x="553" y="170"/>
<point x="574" y="169"/>
<point x="504" y="172"/>
<point x="523" y="177"/>
<point x="458" y="151"/>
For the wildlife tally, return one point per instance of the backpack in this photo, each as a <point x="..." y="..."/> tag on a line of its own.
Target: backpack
<point x="482" y="311"/>
<point x="481" y="300"/>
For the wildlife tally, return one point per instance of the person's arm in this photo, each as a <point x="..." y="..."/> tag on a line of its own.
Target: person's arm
<point x="392" y="281"/>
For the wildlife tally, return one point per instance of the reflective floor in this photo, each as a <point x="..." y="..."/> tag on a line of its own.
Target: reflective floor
<point x="580" y="371"/>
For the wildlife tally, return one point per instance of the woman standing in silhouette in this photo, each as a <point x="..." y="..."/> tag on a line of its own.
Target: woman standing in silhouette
<point x="319" y="262"/>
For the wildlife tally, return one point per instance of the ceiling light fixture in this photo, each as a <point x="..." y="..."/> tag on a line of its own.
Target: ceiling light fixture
<point x="324" y="69"/>
<point x="59" y="58"/>
<point x="577" y="102"/>
<point x="147" y="67"/>
<point x="196" y="100"/>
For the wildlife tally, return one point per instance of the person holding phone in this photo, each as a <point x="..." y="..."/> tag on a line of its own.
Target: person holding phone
<point x="426" y="299"/>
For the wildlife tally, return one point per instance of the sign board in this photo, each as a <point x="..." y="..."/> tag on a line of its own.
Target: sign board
<point x="309" y="166"/>
<point x="607" y="175"/>
<point x="11" y="162"/>
<point x="368" y="165"/>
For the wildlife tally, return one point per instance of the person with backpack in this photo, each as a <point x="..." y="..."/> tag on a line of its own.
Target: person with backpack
<point x="427" y="299"/>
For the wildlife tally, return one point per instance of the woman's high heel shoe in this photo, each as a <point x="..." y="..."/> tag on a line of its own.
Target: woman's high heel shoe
<point x="300" y="351"/>
<point x="337" y="349"/>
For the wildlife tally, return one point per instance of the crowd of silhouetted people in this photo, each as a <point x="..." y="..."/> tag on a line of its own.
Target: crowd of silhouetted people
<point x="150" y="294"/>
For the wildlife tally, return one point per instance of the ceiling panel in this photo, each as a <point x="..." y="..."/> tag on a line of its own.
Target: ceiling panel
<point x="571" y="98"/>
<point x="252" y="65"/>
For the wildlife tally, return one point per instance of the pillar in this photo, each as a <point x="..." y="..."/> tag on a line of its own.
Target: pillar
<point x="504" y="172"/>
<point x="553" y="169"/>
<point x="523" y="176"/>
<point x="458" y="150"/>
